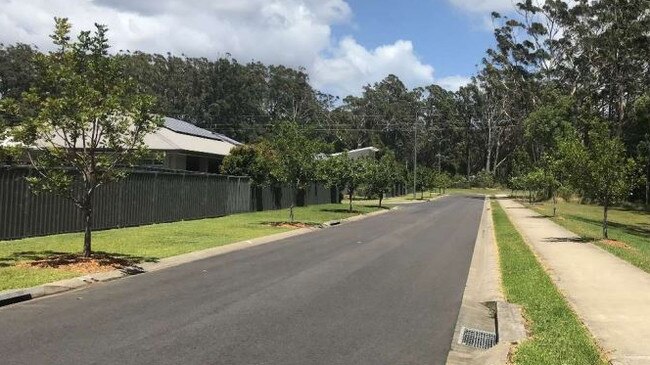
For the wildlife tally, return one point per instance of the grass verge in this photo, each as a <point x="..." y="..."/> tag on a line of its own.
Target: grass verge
<point x="395" y="200"/>
<point x="473" y="191"/>
<point x="557" y="336"/>
<point x="629" y="230"/>
<point x="152" y="242"/>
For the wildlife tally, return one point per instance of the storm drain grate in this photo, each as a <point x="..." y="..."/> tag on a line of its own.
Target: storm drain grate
<point x="477" y="338"/>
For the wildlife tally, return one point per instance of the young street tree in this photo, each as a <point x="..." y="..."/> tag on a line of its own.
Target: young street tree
<point x="609" y="175"/>
<point x="294" y="159"/>
<point x="82" y="120"/>
<point x="343" y="172"/>
<point x="381" y="175"/>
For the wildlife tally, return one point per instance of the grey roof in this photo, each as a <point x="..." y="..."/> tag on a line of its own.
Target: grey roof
<point x="359" y="152"/>
<point x="180" y="126"/>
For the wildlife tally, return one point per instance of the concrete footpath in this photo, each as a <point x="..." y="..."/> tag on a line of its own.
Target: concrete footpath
<point x="611" y="296"/>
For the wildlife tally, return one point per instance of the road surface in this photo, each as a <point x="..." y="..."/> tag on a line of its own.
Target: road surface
<point x="384" y="290"/>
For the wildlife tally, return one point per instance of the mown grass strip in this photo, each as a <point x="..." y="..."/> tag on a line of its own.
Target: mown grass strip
<point x="557" y="336"/>
<point x="629" y="227"/>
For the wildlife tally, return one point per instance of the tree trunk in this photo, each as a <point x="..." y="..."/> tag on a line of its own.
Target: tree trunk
<point x="647" y="182"/>
<point x="381" y="197"/>
<point x="605" y="209"/>
<point x="554" y="204"/>
<point x="468" y="148"/>
<point x="350" y="193"/>
<point x="88" y="226"/>
<point x="488" y="160"/>
<point x="293" y="203"/>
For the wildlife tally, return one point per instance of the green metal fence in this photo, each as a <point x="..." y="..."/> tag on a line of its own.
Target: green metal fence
<point x="143" y="197"/>
<point x="268" y="198"/>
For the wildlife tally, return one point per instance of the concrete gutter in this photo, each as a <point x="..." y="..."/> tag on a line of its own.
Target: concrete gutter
<point x="483" y="306"/>
<point x="13" y="296"/>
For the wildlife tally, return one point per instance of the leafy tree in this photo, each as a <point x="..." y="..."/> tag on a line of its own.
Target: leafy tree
<point x="534" y="181"/>
<point x="381" y="175"/>
<point x="484" y="179"/>
<point x="548" y="124"/>
<point x="3" y="137"/>
<point x="642" y="132"/>
<point x="443" y="181"/>
<point x="254" y="161"/>
<point x="423" y="180"/>
<point x="17" y="69"/>
<point x="609" y="175"/>
<point x="344" y="172"/>
<point x="561" y="167"/>
<point x="83" y="119"/>
<point x="294" y="158"/>
<point x="516" y="183"/>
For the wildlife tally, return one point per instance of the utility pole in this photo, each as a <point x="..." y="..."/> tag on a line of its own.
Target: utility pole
<point x="439" y="156"/>
<point x="415" y="155"/>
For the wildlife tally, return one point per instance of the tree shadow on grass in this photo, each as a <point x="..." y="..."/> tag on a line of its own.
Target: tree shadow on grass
<point x="540" y="216"/>
<point x="631" y="229"/>
<point x="54" y="259"/>
<point x="644" y="211"/>
<point x="376" y="207"/>
<point x="341" y="210"/>
<point x="287" y="224"/>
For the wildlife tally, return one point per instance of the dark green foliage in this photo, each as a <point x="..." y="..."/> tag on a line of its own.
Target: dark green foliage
<point x="381" y="175"/>
<point x="293" y="160"/>
<point x="252" y="160"/>
<point x="343" y="172"/>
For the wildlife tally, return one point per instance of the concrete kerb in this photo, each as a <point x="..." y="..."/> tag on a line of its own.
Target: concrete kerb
<point x="13" y="296"/>
<point x="483" y="305"/>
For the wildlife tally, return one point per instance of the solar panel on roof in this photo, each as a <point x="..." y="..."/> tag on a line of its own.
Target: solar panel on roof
<point x="180" y="126"/>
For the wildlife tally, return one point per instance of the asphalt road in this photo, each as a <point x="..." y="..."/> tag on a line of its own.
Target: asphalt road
<point x="384" y="290"/>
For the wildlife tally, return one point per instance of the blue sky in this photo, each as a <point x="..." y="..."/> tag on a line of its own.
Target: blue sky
<point x="451" y="40"/>
<point x="342" y="44"/>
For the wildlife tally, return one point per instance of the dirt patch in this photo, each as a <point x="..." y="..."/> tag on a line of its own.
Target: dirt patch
<point x="614" y="243"/>
<point x="290" y="224"/>
<point x="79" y="264"/>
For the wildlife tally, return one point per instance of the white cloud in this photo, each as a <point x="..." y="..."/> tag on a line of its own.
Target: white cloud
<point x="484" y="6"/>
<point x="296" y="33"/>
<point x="453" y="83"/>
<point x="352" y="66"/>
<point x="292" y="32"/>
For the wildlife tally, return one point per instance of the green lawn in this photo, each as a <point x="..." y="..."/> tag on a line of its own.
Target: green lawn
<point x="557" y="335"/>
<point x="153" y="242"/>
<point x="632" y="227"/>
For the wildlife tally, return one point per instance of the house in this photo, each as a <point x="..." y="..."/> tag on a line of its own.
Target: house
<point x="177" y="145"/>
<point x="181" y="145"/>
<point x="360" y="153"/>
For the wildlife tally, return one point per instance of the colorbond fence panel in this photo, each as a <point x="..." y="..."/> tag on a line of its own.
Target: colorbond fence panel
<point x="143" y="197"/>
